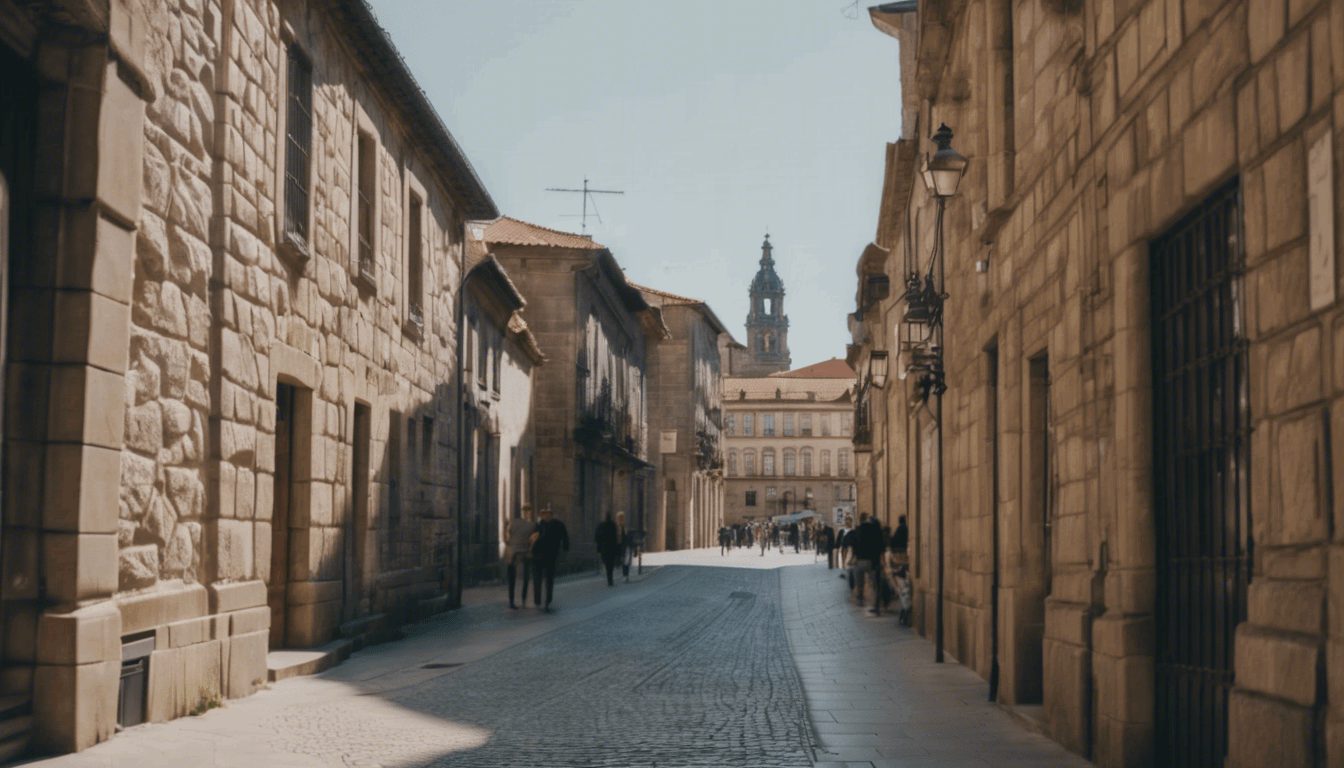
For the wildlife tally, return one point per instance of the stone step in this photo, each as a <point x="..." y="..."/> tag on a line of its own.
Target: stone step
<point x="15" y="706"/>
<point x="15" y="726"/>
<point x="285" y="664"/>
<point x="14" y="747"/>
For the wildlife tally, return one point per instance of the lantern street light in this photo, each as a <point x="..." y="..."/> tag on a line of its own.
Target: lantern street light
<point x="942" y="175"/>
<point x="877" y="367"/>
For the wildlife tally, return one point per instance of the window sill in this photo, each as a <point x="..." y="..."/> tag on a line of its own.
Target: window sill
<point x="294" y="251"/>
<point x="365" y="280"/>
<point x="414" y="329"/>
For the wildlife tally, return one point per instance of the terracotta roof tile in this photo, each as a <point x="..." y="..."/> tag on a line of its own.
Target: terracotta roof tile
<point x="668" y="299"/>
<point x="835" y="368"/>
<point x="822" y="390"/>
<point x="514" y="232"/>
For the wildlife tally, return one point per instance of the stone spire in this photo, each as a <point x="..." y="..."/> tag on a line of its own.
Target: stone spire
<point x="767" y="325"/>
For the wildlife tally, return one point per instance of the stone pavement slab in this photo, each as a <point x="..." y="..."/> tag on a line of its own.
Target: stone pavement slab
<point x="704" y="660"/>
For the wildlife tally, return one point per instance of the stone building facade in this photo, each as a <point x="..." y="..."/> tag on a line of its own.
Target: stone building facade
<point x="232" y="281"/>
<point x="1141" y="518"/>
<point x="590" y="413"/>
<point x="499" y="361"/>
<point x="685" y="422"/>
<point x="787" y="443"/>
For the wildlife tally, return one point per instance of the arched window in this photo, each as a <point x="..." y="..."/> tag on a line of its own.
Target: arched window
<point x="843" y="460"/>
<point x="749" y="463"/>
<point x="768" y="462"/>
<point x="825" y="463"/>
<point x="732" y="463"/>
<point x="807" y="462"/>
<point x="790" y="462"/>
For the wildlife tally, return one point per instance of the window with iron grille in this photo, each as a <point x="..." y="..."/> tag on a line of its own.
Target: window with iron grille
<point x="768" y="424"/>
<point x="788" y="425"/>
<point x="747" y="427"/>
<point x="415" y="261"/>
<point x="805" y="427"/>
<point x="426" y="444"/>
<point x="1201" y="475"/>
<point x="482" y="355"/>
<point x="298" y="146"/>
<point x="497" y="373"/>
<point x="366" y="170"/>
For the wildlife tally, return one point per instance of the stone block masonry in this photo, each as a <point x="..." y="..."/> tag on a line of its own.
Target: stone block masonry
<point x="1104" y="135"/>
<point x="213" y="333"/>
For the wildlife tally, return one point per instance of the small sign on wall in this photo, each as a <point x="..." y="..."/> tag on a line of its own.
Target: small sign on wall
<point x="1321" y="220"/>
<point x="667" y="441"/>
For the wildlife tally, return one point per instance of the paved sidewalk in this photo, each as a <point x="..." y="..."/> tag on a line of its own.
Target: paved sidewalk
<point x="878" y="700"/>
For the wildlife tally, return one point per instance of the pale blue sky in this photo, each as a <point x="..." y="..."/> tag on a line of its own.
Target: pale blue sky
<point x="718" y="119"/>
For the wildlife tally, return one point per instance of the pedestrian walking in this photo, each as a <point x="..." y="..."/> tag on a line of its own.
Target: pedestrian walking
<point x="904" y="596"/>
<point x="900" y="541"/>
<point x="826" y="543"/>
<point x="550" y="539"/>
<point x="608" y="540"/>
<point x="627" y="546"/>
<point x="725" y="538"/>
<point x="845" y="543"/>
<point x="518" y="534"/>
<point x="793" y="537"/>
<point x="869" y="545"/>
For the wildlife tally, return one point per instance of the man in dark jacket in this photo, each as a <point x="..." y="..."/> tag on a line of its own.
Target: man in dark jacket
<point x="826" y="543"/>
<point x="900" y="541"/>
<point x="869" y="544"/>
<point x="552" y="537"/>
<point x="608" y="542"/>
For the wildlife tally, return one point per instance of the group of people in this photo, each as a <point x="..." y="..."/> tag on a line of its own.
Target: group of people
<point x="615" y="545"/>
<point x="768" y="535"/>
<point x="534" y="548"/>
<point x="869" y="555"/>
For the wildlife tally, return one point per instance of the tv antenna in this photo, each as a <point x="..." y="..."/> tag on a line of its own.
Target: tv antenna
<point x="587" y="195"/>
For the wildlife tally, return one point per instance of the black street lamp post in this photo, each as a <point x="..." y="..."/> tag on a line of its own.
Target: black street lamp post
<point x="925" y="301"/>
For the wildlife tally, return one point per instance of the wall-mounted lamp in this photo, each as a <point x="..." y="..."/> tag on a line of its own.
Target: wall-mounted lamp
<point x="878" y="362"/>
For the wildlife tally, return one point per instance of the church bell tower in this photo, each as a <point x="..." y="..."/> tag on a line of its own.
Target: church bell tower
<point x="767" y="325"/>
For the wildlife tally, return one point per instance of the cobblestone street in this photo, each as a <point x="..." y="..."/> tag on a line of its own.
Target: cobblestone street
<point x="753" y="665"/>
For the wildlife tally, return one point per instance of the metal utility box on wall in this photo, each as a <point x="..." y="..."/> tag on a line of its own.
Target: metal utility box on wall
<point x="134" y="680"/>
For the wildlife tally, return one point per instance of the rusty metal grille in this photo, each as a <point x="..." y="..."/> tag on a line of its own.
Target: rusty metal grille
<point x="298" y="143"/>
<point x="367" y="169"/>
<point x="1202" y="476"/>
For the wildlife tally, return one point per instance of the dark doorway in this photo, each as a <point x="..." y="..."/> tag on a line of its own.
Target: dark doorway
<point x="358" y="535"/>
<point x="1201" y="472"/>
<point x="992" y="437"/>
<point x="22" y="430"/>
<point x="277" y="585"/>
<point x="1037" y="521"/>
